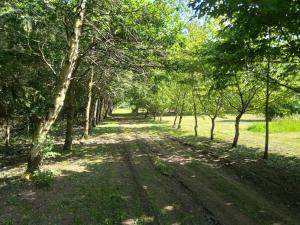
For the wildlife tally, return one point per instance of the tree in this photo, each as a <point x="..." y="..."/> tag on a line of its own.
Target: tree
<point x="34" y="159"/>
<point x="239" y="96"/>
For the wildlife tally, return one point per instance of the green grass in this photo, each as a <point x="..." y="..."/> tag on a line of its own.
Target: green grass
<point x="122" y="111"/>
<point x="278" y="126"/>
<point x="284" y="143"/>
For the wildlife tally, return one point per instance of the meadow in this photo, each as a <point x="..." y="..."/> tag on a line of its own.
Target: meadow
<point x="284" y="133"/>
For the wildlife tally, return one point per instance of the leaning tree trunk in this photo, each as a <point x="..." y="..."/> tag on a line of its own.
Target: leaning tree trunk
<point x="88" y="106"/>
<point x="180" y="116"/>
<point x="212" y="129"/>
<point x="175" y="119"/>
<point x="70" y="118"/>
<point x="237" y="130"/>
<point x="267" y="117"/>
<point x="35" y="158"/>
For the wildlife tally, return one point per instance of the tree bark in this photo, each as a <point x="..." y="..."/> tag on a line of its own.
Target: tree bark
<point x="88" y="106"/>
<point x="7" y="134"/>
<point x="94" y="121"/>
<point x="34" y="157"/>
<point x="98" y="111"/>
<point x="267" y="117"/>
<point x="181" y="115"/>
<point x="70" y="118"/>
<point x="212" y="129"/>
<point x="237" y="130"/>
<point x="91" y="119"/>
<point x="195" y="116"/>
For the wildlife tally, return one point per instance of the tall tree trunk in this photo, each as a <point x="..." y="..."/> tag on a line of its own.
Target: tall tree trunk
<point x="106" y="108"/>
<point x="98" y="111"/>
<point x="88" y="106"/>
<point x="195" y="116"/>
<point x="181" y="115"/>
<point x="70" y="118"/>
<point x="146" y="114"/>
<point x="212" y="129"/>
<point x="267" y="116"/>
<point x="35" y="158"/>
<point x="94" y="121"/>
<point x="237" y="130"/>
<point x="102" y="109"/>
<point x="175" y="119"/>
<point x="7" y="134"/>
<point x="91" y="120"/>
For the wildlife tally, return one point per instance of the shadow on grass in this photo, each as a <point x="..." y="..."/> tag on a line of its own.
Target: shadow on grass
<point x="85" y="192"/>
<point x="90" y="191"/>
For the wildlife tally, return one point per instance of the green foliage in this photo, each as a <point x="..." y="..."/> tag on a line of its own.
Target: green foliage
<point x="47" y="149"/>
<point x="43" y="178"/>
<point x="291" y="124"/>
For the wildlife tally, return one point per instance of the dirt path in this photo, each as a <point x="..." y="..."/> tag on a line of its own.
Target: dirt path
<point x="180" y="166"/>
<point x="125" y="175"/>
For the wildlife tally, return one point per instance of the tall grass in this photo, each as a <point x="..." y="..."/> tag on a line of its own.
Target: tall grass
<point x="285" y="125"/>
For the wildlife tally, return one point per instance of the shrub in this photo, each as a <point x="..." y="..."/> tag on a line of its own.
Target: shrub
<point x="43" y="178"/>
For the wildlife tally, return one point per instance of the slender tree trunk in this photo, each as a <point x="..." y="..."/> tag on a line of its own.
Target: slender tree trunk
<point x="106" y="108"/>
<point x="267" y="117"/>
<point x="181" y="115"/>
<point x="88" y="106"/>
<point x="212" y="129"/>
<point x="175" y="120"/>
<point x="195" y="116"/>
<point x="94" y="121"/>
<point x="7" y="134"/>
<point x="70" y="118"/>
<point x="91" y="117"/>
<point x="35" y="158"/>
<point x="98" y="111"/>
<point x="102" y="109"/>
<point x="237" y="130"/>
<point x="28" y="127"/>
<point x="110" y="107"/>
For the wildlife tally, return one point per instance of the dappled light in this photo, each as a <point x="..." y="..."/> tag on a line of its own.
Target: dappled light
<point x="158" y="112"/>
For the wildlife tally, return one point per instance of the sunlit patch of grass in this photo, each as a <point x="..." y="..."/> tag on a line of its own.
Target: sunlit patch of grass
<point x="122" y="111"/>
<point x="278" y="126"/>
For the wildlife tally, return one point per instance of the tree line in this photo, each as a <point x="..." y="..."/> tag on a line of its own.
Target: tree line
<point x="71" y="62"/>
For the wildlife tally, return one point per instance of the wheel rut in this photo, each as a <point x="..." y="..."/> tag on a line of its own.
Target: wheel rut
<point x="177" y="178"/>
<point x="145" y="200"/>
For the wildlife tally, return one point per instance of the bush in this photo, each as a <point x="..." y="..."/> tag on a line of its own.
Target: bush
<point x="43" y="178"/>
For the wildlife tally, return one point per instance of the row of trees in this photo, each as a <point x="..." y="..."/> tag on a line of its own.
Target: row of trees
<point x="72" y="59"/>
<point x="227" y="65"/>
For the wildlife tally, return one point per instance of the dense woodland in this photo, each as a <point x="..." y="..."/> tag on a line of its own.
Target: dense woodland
<point x="66" y="65"/>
